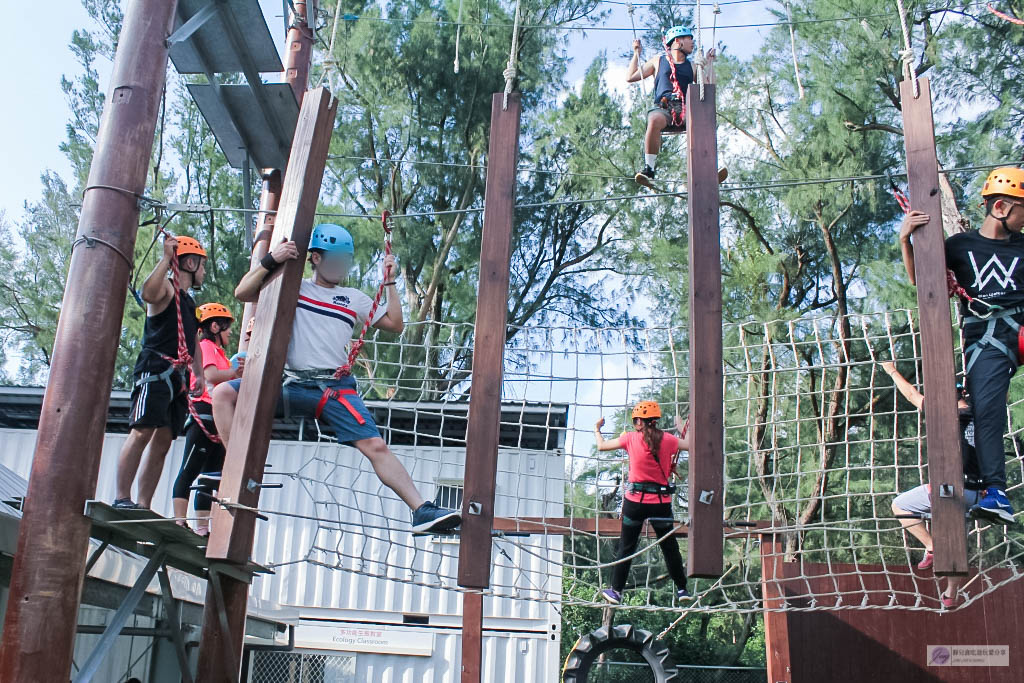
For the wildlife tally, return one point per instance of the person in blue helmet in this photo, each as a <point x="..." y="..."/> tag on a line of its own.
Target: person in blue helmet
<point x="672" y="73"/>
<point x="327" y="314"/>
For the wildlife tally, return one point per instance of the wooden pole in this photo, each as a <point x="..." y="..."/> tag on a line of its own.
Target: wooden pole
<point x="776" y="626"/>
<point x="472" y="637"/>
<point x="488" y="355"/>
<point x="297" y="57"/>
<point x="270" y="199"/>
<point x="707" y="459"/>
<point x="945" y="464"/>
<point x="489" y="344"/>
<point x="232" y="529"/>
<point x="53" y="538"/>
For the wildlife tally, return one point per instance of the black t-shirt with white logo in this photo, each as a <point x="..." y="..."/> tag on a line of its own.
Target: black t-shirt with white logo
<point x="989" y="270"/>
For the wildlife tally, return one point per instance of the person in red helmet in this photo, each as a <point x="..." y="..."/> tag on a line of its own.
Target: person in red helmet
<point x="204" y="455"/>
<point x="159" y="401"/>
<point x="652" y="461"/>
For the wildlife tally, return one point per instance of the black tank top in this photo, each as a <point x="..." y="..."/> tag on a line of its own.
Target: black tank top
<point x="160" y="335"/>
<point x="663" y="81"/>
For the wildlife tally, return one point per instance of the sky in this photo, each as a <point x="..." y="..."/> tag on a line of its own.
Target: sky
<point x="40" y="51"/>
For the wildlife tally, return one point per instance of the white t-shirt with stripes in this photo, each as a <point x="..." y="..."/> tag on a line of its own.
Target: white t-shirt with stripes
<point x="326" y="318"/>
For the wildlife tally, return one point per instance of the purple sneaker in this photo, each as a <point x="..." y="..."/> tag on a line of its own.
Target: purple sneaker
<point x="611" y="595"/>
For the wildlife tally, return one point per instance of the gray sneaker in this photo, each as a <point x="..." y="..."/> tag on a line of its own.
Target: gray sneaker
<point x="125" y="504"/>
<point x="429" y="518"/>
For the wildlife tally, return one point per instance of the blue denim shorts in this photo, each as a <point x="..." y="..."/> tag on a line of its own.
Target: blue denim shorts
<point x="344" y="412"/>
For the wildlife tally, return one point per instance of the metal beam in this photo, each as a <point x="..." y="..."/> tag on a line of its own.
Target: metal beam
<point x="39" y="627"/>
<point x="482" y="435"/>
<point x="173" y="617"/>
<point x="193" y="24"/>
<point x="945" y="465"/>
<point x="707" y="431"/>
<point x="120" y="618"/>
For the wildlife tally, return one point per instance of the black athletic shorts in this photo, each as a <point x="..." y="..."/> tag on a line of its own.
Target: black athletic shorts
<point x="155" y="404"/>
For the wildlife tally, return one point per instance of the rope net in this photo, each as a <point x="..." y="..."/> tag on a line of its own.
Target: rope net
<point x="817" y="445"/>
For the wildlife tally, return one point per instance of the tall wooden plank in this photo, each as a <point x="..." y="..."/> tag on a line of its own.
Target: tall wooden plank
<point x="704" y="558"/>
<point x="945" y="467"/>
<point x="776" y="626"/>
<point x="231" y="537"/>
<point x="232" y="529"/>
<point x="489" y="344"/>
<point x="472" y="637"/>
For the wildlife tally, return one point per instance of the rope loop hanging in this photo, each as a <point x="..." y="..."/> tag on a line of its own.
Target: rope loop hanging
<point x="907" y="53"/>
<point x="510" y="69"/>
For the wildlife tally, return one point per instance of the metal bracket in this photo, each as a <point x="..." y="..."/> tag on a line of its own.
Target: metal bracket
<point x="253" y="485"/>
<point x="194" y="23"/>
<point x="945" y="491"/>
<point x="706" y="497"/>
<point x="475" y="508"/>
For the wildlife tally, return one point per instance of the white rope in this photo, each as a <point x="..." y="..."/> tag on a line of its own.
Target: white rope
<point x="780" y="393"/>
<point x="907" y="53"/>
<point x="510" y="69"/>
<point x="792" y="45"/>
<point x="458" y="36"/>
<point x="640" y="57"/>
<point x="698" y="54"/>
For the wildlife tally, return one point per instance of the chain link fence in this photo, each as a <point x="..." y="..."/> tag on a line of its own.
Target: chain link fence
<point x="301" y="667"/>
<point x="638" y="672"/>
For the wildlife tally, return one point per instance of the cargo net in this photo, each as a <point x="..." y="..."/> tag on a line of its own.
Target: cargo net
<point x="818" y="443"/>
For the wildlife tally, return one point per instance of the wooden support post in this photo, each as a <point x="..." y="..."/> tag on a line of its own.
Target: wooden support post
<point x="707" y="460"/>
<point x="53" y="537"/>
<point x="945" y="464"/>
<point x="489" y="344"/>
<point x="232" y="528"/>
<point x="297" y="57"/>
<point x="776" y="626"/>
<point x="270" y="199"/>
<point x="472" y="637"/>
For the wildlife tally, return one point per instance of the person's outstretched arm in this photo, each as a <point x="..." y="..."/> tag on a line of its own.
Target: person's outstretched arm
<point x="392" y="320"/>
<point x="604" y="444"/>
<point x="908" y="390"/>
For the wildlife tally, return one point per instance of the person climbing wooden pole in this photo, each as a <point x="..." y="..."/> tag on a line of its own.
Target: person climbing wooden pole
<point x="706" y="488"/>
<point x="945" y="466"/>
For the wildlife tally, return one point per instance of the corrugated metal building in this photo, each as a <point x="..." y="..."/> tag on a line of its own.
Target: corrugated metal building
<point x="373" y="603"/>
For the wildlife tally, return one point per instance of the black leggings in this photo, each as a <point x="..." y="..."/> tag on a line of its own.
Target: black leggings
<point x="633" y="516"/>
<point x="202" y="456"/>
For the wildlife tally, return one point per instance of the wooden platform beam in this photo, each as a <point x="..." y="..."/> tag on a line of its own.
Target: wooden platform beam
<point x="489" y="344"/>
<point x="707" y="456"/>
<point x="232" y="528"/>
<point x="945" y="464"/>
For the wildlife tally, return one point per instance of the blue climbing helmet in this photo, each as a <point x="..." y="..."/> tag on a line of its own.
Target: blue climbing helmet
<point x="676" y="32"/>
<point x="331" y="238"/>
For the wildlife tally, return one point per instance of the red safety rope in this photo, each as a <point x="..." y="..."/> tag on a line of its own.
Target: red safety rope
<point x="357" y="345"/>
<point x="677" y="118"/>
<point x="184" y="359"/>
<point x="1004" y="16"/>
